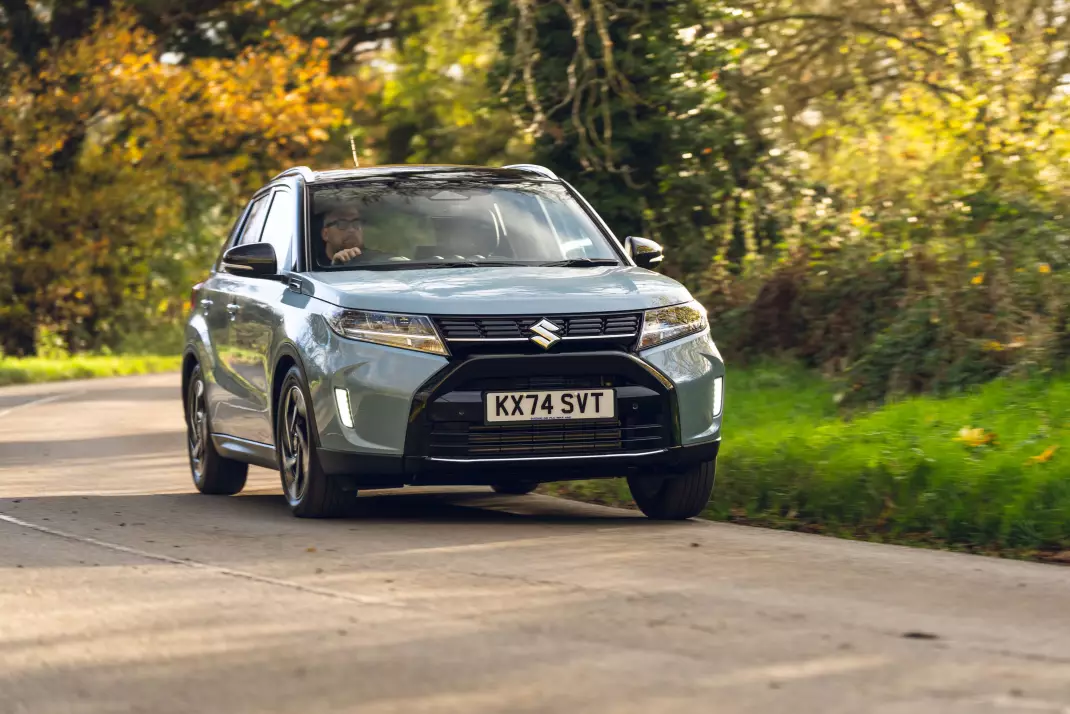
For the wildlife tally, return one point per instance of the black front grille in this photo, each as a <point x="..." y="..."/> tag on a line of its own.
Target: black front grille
<point x="515" y="328"/>
<point x="468" y="440"/>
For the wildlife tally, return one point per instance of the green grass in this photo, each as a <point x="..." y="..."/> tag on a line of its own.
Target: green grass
<point x="790" y="459"/>
<point x="38" y="369"/>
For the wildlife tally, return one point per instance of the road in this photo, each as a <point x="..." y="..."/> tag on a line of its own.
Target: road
<point x="121" y="590"/>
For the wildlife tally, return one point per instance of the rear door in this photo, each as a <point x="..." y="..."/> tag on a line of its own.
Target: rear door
<point x="229" y="402"/>
<point x="260" y="317"/>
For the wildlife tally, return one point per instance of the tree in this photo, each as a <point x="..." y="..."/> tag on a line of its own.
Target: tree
<point x="628" y="102"/>
<point x="929" y="184"/>
<point x="117" y="164"/>
<point x="435" y="105"/>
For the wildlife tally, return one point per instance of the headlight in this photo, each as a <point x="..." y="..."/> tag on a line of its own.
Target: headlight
<point x="409" y="332"/>
<point x="670" y="323"/>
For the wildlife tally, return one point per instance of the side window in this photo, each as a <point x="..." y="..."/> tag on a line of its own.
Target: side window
<point x="279" y="229"/>
<point x="251" y="231"/>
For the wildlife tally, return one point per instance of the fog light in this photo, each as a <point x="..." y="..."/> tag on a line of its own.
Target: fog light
<point x="345" y="412"/>
<point x="718" y="396"/>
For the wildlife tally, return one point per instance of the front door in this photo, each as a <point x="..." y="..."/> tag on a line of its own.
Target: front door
<point x="259" y="321"/>
<point x="231" y="405"/>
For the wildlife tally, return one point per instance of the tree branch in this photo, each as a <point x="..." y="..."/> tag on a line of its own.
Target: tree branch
<point x="26" y="35"/>
<point x="735" y="27"/>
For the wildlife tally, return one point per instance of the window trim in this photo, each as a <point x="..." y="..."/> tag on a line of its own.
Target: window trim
<point x="239" y="225"/>
<point x="283" y="190"/>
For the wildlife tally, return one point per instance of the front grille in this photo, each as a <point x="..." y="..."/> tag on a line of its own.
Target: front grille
<point x="511" y="335"/>
<point x="464" y="439"/>
<point x="543" y="382"/>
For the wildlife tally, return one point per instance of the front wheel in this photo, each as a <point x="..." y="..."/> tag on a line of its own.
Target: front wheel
<point x="310" y="491"/>
<point x="674" y="498"/>
<point x="212" y="474"/>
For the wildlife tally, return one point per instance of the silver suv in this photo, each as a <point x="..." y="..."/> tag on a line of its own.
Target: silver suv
<point x="420" y="325"/>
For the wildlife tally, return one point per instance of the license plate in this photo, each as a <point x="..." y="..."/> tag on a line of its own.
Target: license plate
<point x="551" y="405"/>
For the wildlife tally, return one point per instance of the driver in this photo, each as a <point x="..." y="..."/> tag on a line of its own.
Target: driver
<point x="343" y="236"/>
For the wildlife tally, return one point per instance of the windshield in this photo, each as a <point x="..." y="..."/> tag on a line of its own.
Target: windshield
<point x="419" y="222"/>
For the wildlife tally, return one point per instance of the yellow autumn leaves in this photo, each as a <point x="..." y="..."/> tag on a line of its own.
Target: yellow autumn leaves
<point x="124" y="166"/>
<point x="273" y="102"/>
<point x="975" y="437"/>
<point x="979" y="278"/>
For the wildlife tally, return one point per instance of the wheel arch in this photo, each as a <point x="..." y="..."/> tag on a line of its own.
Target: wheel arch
<point x="189" y="361"/>
<point x="286" y="358"/>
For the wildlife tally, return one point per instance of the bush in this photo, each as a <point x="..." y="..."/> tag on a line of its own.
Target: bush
<point x="934" y="315"/>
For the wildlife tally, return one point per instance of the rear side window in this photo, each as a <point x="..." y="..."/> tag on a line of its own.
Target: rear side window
<point x="279" y="228"/>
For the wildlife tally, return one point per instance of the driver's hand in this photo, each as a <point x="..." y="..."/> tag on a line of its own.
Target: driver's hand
<point x="346" y="254"/>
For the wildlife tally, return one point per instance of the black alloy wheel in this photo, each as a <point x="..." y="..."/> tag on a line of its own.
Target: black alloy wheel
<point x="310" y="491"/>
<point x="212" y="473"/>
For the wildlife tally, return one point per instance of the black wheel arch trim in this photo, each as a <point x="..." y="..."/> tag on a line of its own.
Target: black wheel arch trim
<point x="287" y="349"/>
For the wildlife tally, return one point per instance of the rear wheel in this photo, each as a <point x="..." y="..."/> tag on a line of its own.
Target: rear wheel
<point x="516" y="489"/>
<point x="212" y="473"/>
<point x="674" y="498"/>
<point x="310" y="491"/>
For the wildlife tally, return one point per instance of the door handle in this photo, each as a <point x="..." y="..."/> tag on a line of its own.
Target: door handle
<point x="233" y="308"/>
<point x="206" y="302"/>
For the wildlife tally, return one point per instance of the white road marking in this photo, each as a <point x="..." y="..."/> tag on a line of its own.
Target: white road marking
<point x="218" y="570"/>
<point x="43" y="400"/>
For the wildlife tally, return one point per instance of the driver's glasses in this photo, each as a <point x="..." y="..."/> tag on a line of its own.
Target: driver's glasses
<point x="346" y="224"/>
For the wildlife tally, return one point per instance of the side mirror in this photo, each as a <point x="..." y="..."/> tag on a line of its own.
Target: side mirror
<point x="645" y="252"/>
<point x="253" y="260"/>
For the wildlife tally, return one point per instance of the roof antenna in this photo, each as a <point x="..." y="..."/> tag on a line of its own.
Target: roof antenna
<point x="353" y="148"/>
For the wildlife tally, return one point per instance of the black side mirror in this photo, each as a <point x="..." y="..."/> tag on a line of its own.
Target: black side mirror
<point x="254" y="260"/>
<point x="645" y="252"/>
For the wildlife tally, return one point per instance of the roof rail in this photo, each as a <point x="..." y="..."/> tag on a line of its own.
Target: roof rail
<point x="533" y="168"/>
<point x="302" y="171"/>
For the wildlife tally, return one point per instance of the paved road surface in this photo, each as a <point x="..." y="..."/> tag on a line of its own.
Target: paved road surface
<point x="123" y="591"/>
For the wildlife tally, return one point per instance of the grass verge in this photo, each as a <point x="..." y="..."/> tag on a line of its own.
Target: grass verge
<point x="982" y="472"/>
<point x="28" y="370"/>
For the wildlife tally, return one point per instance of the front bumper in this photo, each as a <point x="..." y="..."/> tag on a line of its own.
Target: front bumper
<point x="668" y="417"/>
<point x="356" y="471"/>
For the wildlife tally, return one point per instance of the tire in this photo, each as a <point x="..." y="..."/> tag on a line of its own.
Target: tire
<point x="212" y="474"/>
<point x="310" y="491"/>
<point x="518" y="488"/>
<point x="674" y="498"/>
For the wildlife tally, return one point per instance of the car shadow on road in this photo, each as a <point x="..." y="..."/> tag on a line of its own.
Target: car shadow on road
<point x="461" y="506"/>
<point x="260" y="511"/>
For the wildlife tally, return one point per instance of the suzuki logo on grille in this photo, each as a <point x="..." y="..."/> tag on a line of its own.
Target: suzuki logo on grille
<point x="545" y="334"/>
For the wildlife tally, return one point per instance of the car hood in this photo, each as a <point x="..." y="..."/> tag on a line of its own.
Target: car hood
<point x="499" y="291"/>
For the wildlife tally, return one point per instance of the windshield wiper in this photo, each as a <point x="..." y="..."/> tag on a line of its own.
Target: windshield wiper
<point x="466" y="264"/>
<point x="580" y="263"/>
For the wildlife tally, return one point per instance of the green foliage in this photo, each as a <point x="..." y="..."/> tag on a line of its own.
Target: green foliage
<point x="435" y="105"/>
<point x="923" y="199"/>
<point x="987" y="471"/>
<point x="627" y="103"/>
<point x="28" y="370"/>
